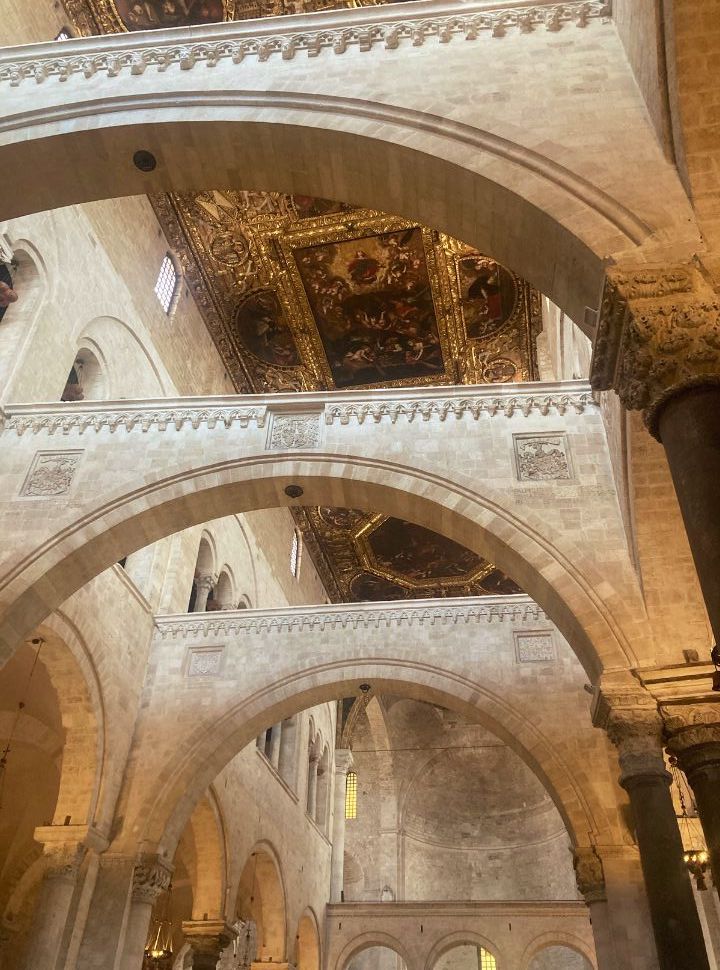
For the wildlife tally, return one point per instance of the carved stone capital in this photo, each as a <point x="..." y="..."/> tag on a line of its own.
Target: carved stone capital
<point x="65" y="847"/>
<point x="658" y="333"/>
<point x="207" y="939"/>
<point x="151" y="877"/>
<point x="205" y="582"/>
<point x="633" y="724"/>
<point x="589" y="875"/>
<point x="693" y="735"/>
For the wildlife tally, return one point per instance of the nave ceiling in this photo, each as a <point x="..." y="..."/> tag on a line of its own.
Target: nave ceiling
<point x="305" y="294"/>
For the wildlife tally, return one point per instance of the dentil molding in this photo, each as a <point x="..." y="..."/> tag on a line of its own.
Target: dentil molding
<point x="468" y="610"/>
<point x="332" y="407"/>
<point x="333" y="31"/>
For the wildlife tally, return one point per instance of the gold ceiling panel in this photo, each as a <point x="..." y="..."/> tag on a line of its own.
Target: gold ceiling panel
<point x="116" y="16"/>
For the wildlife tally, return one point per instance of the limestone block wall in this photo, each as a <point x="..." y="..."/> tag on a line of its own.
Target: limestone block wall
<point x="218" y="680"/>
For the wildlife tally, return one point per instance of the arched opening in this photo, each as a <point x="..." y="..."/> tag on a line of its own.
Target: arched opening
<point x="467" y="956"/>
<point x="261" y="901"/>
<point x="19" y="319"/>
<point x="224" y="595"/>
<point x="559" y="957"/>
<point x="202" y="591"/>
<point x="307" y="943"/>
<point x="87" y="380"/>
<point x="376" y="958"/>
<point x="323" y="790"/>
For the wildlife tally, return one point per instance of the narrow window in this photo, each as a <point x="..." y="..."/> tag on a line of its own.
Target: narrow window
<point x="295" y="552"/>
<point x="167" y="282"/>
<point x="64" y="34"/>
<point x="487" y="960"/>
<point x="351" y="802"/>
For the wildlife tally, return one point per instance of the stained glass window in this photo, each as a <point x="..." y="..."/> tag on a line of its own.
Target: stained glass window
<point x="166" y="283"/>
<point x="351" y="795"/>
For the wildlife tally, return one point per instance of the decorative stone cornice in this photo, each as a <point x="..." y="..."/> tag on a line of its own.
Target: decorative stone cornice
<point x="632" y="722"/>
<point x="314" y="33"/>
<point x="450" y="612"/>
<point x="589" y="875"/>
<point x="207" y="939"/>
<point x="658" y="333"/>
<point x="337" y="407"/>
<point x="151" y="877"/>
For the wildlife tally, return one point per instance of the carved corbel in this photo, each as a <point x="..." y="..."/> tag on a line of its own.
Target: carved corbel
<point x="658" y="333"/>
<point x="693" y="734"/>
<point x="589" y="875"/>
<point x="151" y="877"/>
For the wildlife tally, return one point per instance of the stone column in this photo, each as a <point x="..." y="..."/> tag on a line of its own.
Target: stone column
<point x="343" y="764"/>
<point x="658" y="345"/>
<point x="64" y="851"/>
<point x="694" y="739"/>
<point x="203" y="585"/>
<point x="207" y="938"/>
<point x="151" y="878"/>
<point x="590" y="880"/>
<point x="312" y="786"/>
<point x="635" y="728"/>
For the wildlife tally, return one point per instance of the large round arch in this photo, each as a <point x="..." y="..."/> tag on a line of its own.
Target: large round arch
<point x="459" y="941"/>
<point x="554" y="946"/>
<point x="165" y="807"/>
<point x="248" y="124"/>
<point x="261" y="898"/>
<point x="566" y="584"/>
<point x="369" y="941"/>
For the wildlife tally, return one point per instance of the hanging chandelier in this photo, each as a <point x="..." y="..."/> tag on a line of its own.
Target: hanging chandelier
<point x="159" y="950"/>
<point x="695" y="853"/>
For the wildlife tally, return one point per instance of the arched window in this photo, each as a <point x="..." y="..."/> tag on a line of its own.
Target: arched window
<point x="167" y="283"/>
<point x="295" y="553"/>
<point x="351" y="794"/>
<point x="487" y="960"/>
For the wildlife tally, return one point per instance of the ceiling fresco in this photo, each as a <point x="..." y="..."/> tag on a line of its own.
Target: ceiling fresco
<point x="115" y="16"/>
<point x="308" y="294"/>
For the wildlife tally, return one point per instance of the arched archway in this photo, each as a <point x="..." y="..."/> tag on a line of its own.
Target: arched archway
<point x="261" y="900"/>
<point x="558" y="951"/>
<point x="307" y="943"/>
<point x="374" y="950"/>
<point x="464" y="952"/>
<point x="564" y="582"/>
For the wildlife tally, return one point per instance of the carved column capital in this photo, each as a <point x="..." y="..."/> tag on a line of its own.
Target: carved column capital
<point x="633" y="724"/>
<point x="205" y="582"/>
<point x="65" y="847"/>
<point x="151" y="877"/>
<point x="589" y="875"/>
<point x="658" y="333"/>
<point x="693" y="735"/>
<point x="207" y="939"/>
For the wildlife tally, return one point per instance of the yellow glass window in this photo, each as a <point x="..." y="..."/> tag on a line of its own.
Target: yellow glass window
<point x="487" y="960"/>
<point x="351" y="795"/>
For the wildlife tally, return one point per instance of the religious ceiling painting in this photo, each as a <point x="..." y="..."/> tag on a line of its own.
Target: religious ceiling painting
<point x="310" y="294"/>
<point x="364" y="556"/>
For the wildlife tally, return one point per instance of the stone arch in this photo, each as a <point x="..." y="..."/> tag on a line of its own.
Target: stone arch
<point x="207" y="859"/>
<point x="371" y="939"/>
<point x="261" y="898"/>
<point x="558" y="938"/>
<point x="163" y="812"/>
<point x="92" y="371"/>
<point x="17" y="325"/>
<point x="308" y="948"/>
<point x="205" y="134"/>
<point x="225" y="589"/>
<point x="569" y="590"/>
<point x="463" y="938"/>
<point x="122" y="348"/>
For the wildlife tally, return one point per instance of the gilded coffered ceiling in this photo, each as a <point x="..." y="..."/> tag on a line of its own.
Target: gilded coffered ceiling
<point x="308" y="294"/>
<point x="114" y="16"/>
<point x="301" y="293"/>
